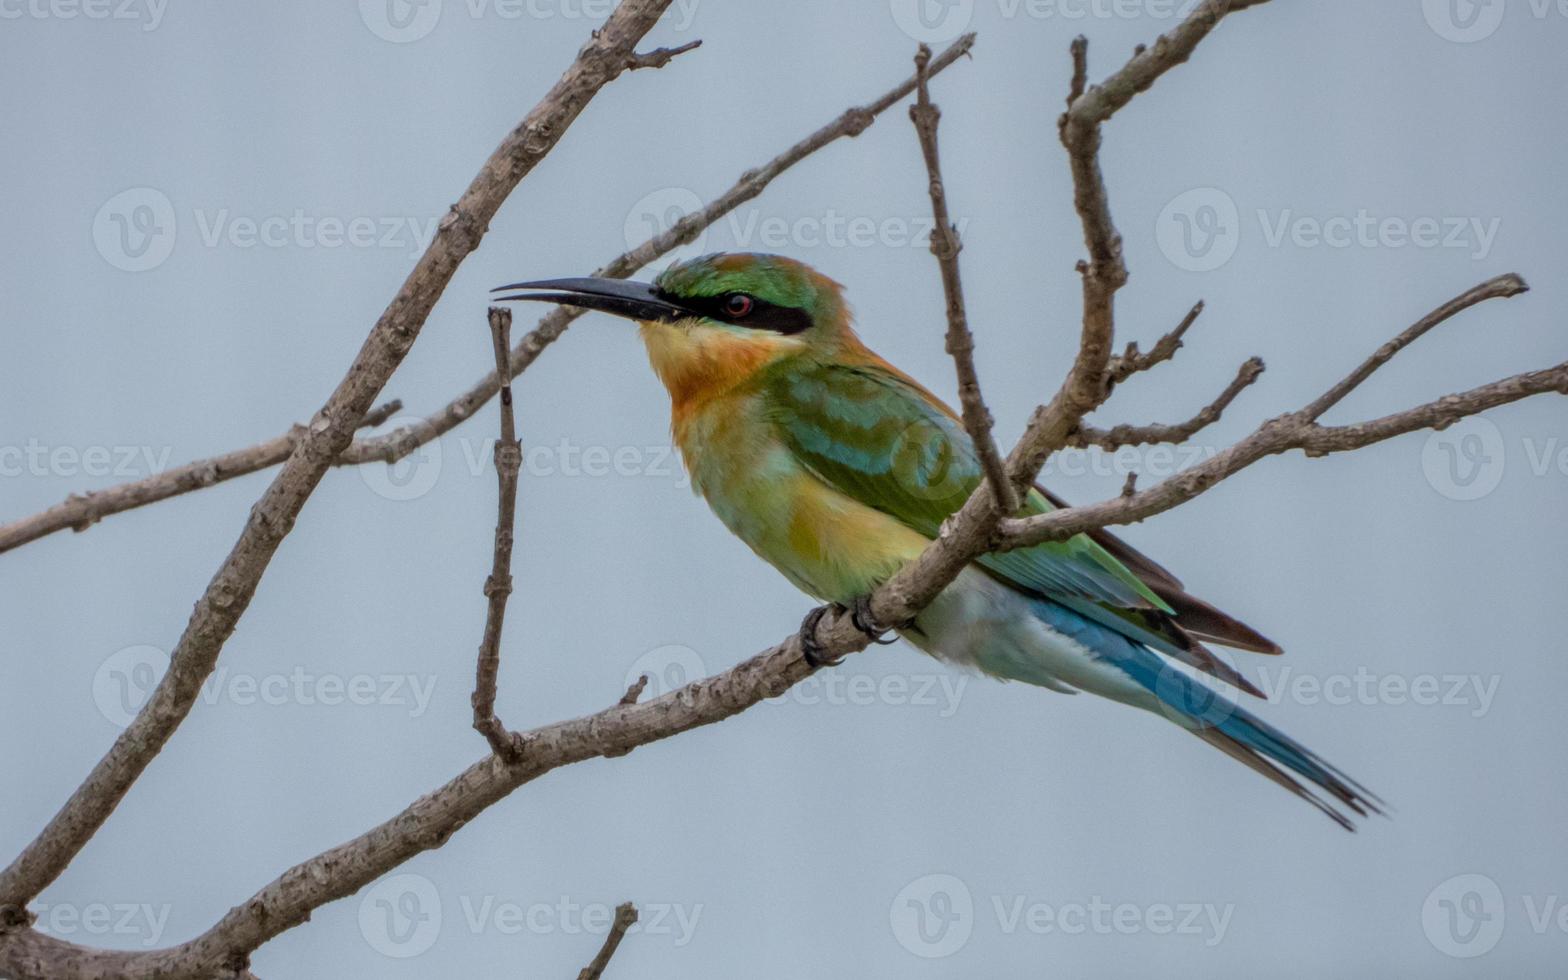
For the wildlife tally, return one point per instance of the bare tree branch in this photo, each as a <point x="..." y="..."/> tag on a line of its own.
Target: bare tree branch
<point x="380" y="414"/>
<point x="831" y="632"/>
<point x="498" y="586"/>
<point x="1079" y="50"/>
<point x="1505" y="286"/>
<point x="1300" y="430"/>
<point x="1137" y="435"/>
<point x="1132" y="361"/>
<point x="659" y="57"/>
<point x="1105" y="272"/>
<point x="220" y="607"/>
<point x="625" y="918"/>
<point x="945" y="245"/>
<point x="81" y="511"/>
<point x="634" y="691"/>
<point x="1320" y="440"/>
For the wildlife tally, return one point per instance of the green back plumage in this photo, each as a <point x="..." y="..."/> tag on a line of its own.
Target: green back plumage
<point x="878" y="438"/>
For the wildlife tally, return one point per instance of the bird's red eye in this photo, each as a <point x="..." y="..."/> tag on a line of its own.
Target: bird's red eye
<point x="737" y="305"/>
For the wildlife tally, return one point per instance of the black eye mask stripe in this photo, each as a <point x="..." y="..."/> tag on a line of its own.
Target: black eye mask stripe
<point x="763" y="316"/>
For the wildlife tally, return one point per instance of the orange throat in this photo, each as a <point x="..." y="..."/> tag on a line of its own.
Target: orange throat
<point x="699" y="363"/>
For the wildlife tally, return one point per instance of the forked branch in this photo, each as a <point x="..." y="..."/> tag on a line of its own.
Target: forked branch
<point x="1301" y="430"/>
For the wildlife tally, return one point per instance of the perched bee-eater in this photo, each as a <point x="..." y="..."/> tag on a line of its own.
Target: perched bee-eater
<point x="837" y="468"/>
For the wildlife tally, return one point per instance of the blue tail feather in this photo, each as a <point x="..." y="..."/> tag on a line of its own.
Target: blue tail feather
<point x="1218" y="719"/>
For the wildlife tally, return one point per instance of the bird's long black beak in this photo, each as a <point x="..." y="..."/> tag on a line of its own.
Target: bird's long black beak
<point x="622" y="297"/>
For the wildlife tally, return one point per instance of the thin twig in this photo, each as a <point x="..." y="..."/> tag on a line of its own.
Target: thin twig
<point x="1300" y="430"/>
<point x="625" y="918"/>
<point x="945" y="245"/>
<point x="634" y="691"/>
<point x="1079" y="50"/>
<point x="1132" y="361"/>
<point x="81" y="511"/>
<point x="1138" y="435"/>
<point x="498" y="585"/>
<point x="659" y="57"/>
<point x="1505" y="286"/>
<point x="379" y="416"/>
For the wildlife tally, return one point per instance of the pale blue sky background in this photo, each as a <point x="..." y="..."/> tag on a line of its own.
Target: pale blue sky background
<point x="1417" y="586"/>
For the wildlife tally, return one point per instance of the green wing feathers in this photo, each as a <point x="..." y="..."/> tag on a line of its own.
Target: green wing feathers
<point x="878" y="437"/>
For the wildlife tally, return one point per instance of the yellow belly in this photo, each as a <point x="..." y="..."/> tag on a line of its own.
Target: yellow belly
<point x="829" y="545"/>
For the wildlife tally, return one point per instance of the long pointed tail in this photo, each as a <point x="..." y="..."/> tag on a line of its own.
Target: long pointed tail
<point x="1075" y="652"/>
<point x="1227" y="726"/>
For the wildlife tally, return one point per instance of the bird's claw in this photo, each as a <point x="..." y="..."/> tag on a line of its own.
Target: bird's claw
<point x="860" y="614"/>
<point x="810" y="649"/>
